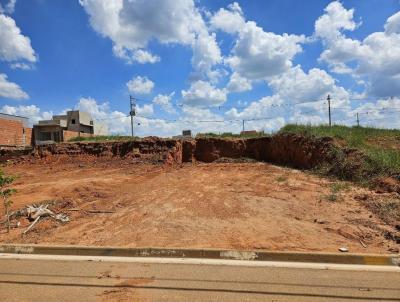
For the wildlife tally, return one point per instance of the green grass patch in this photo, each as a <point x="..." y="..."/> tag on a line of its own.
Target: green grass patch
<point x="281" y="178"/>
<point x="230" y="135"/>
<point x="338" y="187"/>
<point x="380" y="145"/>
<point x="354" y="136"/>
<point x="387" y="209"/>
<point x="331" y="197"/>
<point x="102" y="138"/>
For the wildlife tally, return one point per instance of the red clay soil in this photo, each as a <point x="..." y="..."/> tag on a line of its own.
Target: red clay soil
<point x="288" y="149"/>
<point x="219" y="205"/>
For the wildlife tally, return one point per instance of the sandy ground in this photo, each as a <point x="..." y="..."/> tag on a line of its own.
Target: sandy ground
<point x="225" y="205"/>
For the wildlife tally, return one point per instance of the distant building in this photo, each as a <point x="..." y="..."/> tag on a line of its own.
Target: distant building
<point x="186" y="134"/>
<point x="64" y="127"/>
<point x="250" y="132"/>
<point x="14" y="131"/>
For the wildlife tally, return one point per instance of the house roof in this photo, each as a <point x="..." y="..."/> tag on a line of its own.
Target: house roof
<point x="12" y="115"/>
<point x="22" y="119"/>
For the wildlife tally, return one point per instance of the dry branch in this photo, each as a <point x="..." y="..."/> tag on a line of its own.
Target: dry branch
<point x="32" y="224"/>
<point x="34" y="213"/>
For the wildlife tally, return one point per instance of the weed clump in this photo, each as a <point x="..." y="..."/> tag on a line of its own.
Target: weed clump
<point x="5" y="192"/>
<point x="102" y="138"/>
<point x="336" y="190"/>
<point x="360" y="154"/>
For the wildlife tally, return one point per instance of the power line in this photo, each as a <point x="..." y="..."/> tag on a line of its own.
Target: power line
<point x="315" y="110"/>
<point x="245" y="107"/>
<point x="111" y="118"/>
<point x="188" y="121"/>
<point x="241" y="107"/>
<point x="132" y="112"/>
<point x="329" y="110"/>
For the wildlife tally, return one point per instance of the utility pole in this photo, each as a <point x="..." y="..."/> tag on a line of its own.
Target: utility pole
<point x="132" y="113"/>
<point x="358" y="121"/>
<point x="329" y="110"/>
<point x="243" y="126"/>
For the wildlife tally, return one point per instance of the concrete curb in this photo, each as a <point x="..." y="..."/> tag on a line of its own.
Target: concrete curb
<point x="259" y="255"/>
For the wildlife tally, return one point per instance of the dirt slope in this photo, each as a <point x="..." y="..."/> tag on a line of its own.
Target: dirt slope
<point x="228" y="205"/>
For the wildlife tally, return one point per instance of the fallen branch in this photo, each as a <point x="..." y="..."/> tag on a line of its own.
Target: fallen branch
<point x="13" y="225"/>
<point x="34" y="213"/>
<point x="99" y="211"/>
<point x="363" y="244"/>
<point x="93" y="211"/>
<point x="32" y="224"/>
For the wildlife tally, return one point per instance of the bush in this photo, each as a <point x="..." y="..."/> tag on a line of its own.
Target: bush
<point x="102" y="138"/>
<point x="381" y="159"/>
<point x="5" y="193"/>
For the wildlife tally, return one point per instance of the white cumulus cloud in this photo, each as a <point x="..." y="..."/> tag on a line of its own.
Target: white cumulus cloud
<point x="376" y="58"/>
<point x="11" y="90"/>
<point x="206" y="54"/>
<point x="30" y="111"/>
<point x="229" y="20"/>
<point x="164" y="101"/>
<point x="336" y="18"/>
<point x="140" y="85"/>
<point x="238" y="83"/>
<point x="257" y="54"/>
<point x="314" y="85"/>
<point x="9" y="7"/>
<point x="202" y="93"/>
<point x="14" y="45"/>
<point x="132" y="24"/>
<point x="261" y="55"/>
<point x="140" y="56"/>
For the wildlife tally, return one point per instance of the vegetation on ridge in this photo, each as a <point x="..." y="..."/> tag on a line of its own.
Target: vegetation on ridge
<point x="102" y="138"/>
<point x="382" y="146"/>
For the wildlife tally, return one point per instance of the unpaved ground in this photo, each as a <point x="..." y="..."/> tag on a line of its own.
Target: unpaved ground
<point x="220" y="205"/>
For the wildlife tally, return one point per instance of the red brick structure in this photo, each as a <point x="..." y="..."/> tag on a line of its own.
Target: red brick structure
<point x="28" y="136"/>
<point x="62" y="128"/>
<point x="14" y="131"/>
<point x="67" y="135"/>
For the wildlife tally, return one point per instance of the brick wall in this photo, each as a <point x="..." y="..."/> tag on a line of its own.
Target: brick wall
<point x="72" y="134"/>
<point x="11" y="132"/>
<point x="28" y="136"/>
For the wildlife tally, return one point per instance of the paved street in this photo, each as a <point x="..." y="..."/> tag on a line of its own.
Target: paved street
<point x="72" y="278"/>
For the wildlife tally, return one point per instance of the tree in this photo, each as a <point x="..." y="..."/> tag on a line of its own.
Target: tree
<point x="5" y="193"/>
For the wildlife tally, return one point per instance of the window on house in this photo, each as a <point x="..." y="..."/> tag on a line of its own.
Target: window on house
<point x="73" y="121"/>
<point x="45" y="136"/>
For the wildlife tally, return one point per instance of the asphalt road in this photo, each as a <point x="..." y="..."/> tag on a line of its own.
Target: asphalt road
<point x="72" y="278"/>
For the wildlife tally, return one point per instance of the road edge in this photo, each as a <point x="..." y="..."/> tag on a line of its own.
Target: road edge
<point x="257" y="255"/>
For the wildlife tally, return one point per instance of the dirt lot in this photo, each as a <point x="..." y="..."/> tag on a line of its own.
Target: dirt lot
<point x="220" y="205"/>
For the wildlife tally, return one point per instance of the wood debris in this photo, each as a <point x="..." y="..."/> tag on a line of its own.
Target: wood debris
<point x="34" y="213"/>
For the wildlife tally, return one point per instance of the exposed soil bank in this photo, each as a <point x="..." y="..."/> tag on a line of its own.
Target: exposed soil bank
<point x="287" y="149"/>
<point x="13" y="152"/>
<point x="293" y="150"/>
<point x="151" y="149"/>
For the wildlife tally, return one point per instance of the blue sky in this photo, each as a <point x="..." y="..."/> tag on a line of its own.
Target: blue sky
<point x="192" y="61"/>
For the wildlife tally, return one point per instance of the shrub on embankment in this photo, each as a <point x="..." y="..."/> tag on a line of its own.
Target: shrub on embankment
<point x="361" y="154"/>
<point x="103" y="138"/>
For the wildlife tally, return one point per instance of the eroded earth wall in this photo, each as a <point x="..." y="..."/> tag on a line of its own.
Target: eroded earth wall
<point x="286" y="149"/>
